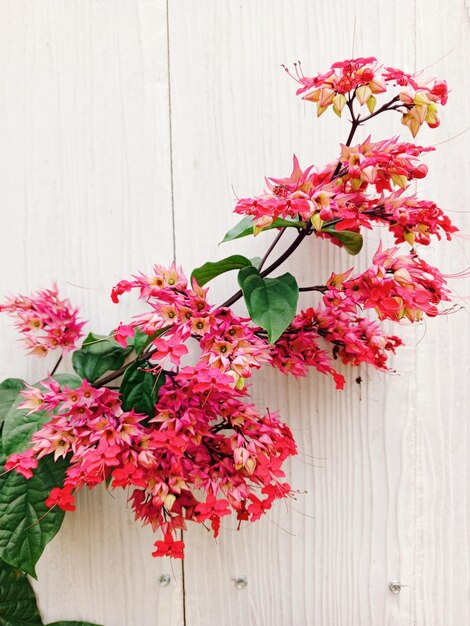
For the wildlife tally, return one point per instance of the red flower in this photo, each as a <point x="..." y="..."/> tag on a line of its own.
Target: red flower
<point x="169" y="547"/>
<point x="63" y="498"/>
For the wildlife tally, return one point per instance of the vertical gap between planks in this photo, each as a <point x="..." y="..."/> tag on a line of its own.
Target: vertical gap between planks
<point x="170" y="129"/>
<point x="173" y="227"/>
<point x="415" y="393"/>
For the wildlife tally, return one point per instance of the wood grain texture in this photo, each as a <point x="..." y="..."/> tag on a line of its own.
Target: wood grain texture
<point x="88" y="148"/>
<point x="326" y="558"/>
<point x="442" y="527"/>
<point x="86" y="199"/>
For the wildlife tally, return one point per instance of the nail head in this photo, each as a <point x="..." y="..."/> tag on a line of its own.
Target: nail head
<point x="165" y="580"/>
<point x="241" y="582"/>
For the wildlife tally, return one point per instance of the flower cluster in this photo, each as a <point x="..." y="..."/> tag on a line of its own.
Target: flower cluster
<point x="203" y="439"/>
<point x="352" y="337"/>
<point x="364" y="187"/>
<point x="183" y="439"/>
<point x="46" y="321"/>
<point x="396" y="287"/>
<point x="360" y="80"/>
<point x="179" y="313"/>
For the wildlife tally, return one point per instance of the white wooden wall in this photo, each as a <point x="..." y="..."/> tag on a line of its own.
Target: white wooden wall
<point x="126" y="129"/>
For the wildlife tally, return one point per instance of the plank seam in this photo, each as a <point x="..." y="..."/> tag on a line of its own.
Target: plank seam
<point x="170" y="129"/>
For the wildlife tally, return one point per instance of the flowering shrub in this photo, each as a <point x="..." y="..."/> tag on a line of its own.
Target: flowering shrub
<point x="183" y="439"/>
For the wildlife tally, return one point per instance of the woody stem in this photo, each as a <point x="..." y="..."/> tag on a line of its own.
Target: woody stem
<point x="54" y="369"/>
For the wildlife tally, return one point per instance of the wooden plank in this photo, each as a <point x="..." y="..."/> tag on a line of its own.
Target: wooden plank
<point x="100" y="568"/>
<point x="235" y="119"/>
<point x="85" y="150"/>
<point x="86" y="200"/>
<point x="442" y="530"/>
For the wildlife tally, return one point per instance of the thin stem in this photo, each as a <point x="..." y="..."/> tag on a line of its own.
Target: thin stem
<point x="294" y="245"/>
<point x="121" y="370"/>
<point x="358" y="121"/>
<point x="385" y="107"/>
<point x="271" y="248"/>
<point x="54" y="369"/>
<point x="321" y="288"/>
<point x="290" y="250"/>
<point x="354" y="127"/>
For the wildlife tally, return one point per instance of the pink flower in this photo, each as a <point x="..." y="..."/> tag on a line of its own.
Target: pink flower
<point x="173" y="349"/>
<point x="122" y="333"/>
<point x="22" y="462"/>
<point x="46" y="322"/>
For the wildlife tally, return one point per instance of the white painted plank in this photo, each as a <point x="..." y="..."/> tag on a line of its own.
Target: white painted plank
<point x="235" y="119"/>
<point x="100" y="568"/>
<point x="442" y="528"/>
<point x="85" y="151"/>
<point x="86" y="199"/>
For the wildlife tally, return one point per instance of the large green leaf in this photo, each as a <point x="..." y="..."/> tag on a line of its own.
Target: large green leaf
<point x="246" y="227"/>
<point x="18" y="426"/>
<point x="271" y="302"/>
<point x="210" y="270"/>
<point x="17" y="600"/>
<point x="139" y="390"/>
<point x="351" y="241"/>
<point x="9" y="390"/>
<point x="27" y="525"/>
<point x="97" y="356"/>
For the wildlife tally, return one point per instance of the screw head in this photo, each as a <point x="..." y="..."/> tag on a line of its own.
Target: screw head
<point x="395" y="586"/>
<point x="164" y="580"/>
<point x="241" y="582"/>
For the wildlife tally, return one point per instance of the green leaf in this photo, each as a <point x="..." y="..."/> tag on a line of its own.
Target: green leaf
<point x="210" y="270"/>
<point x="9" y="390"/>
<point x="69" y="380"/>
<point x="242" y="229"/>
<point x="27" y="523"/>
<point x="99" y="355"/>
<point x="271" y="302"/>
<point x="145" y="340"/>
<point x="17" y="600"/>
<point x="66" y="623"/>
<point x="351" y="241"/>
<point x="140" y="340"/>
<point x="19" y="427"/>
<point x="245" y="227"/>
<point x="139" y="390"/>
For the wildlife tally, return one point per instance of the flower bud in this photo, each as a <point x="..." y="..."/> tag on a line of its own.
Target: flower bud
<point x="363" y="93"/>
<point x="410" y="238"/>
<point x="421" y="98"/>
<point x="400" y="180"/>
<point x="338" y="103"/>
<point x="316" y="221"/>
<point x="371" y="102"/>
